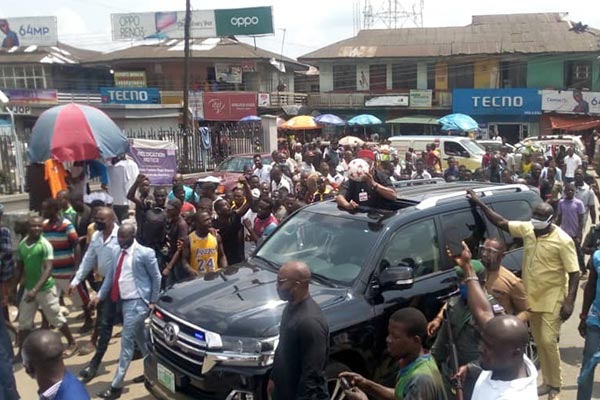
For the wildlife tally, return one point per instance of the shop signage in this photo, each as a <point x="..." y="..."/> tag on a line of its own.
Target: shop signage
<point x="387" y="101"/>
<point x="156" y="159"/>
<point x="135" y="79"/>
<point x="264" y="99"/>
<point x="229" y="106"/>
<point x="228" y="73"/>
<point x="117" y="95"/>
<point x="20" y="109"/>
<point x="28" y="31"/>
<point x="571" y="101"/>
<point x="244" y="21"/>
<point x="421" y="98"/>
<point x="32" y="96"/>
<point x="497" y="101"/>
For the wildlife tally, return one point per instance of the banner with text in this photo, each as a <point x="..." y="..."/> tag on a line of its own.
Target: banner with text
<point x="421" y="98"/>
<point x="156" y="159"/>
<point x="229" y="106"/>
<point x="130" y="79"/>
<point x="571" y="101"/>
<point x="117" y="95"/>
<point x="28" y="31"/>
<point x="497" y="101"/>
<point x="244" y="21"/>
<point x="32" y="96"/>
<point x="228" y="73"/>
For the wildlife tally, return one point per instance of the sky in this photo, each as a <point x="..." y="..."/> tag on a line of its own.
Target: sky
<point x="308" y="24"/>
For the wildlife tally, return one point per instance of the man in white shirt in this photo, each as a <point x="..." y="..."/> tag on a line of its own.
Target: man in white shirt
<point x="278" y="180"/>
<point x="262" y="171"/>
<point x="121" y="175"/>
<point x="572" y="162"/>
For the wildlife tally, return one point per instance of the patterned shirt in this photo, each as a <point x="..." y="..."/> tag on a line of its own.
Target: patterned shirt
<point x="7" y="262"/>
<point x="63" y="238"/>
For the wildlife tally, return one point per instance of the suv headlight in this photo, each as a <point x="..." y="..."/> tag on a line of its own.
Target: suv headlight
<point x="237" y="351"/>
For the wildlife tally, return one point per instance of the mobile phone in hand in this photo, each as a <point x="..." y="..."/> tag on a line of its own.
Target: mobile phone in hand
<point x="453" y="241"/>
<point x="345" y="384"/>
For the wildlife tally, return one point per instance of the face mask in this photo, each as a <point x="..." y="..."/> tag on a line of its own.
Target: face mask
<point x="126" y="245"/>
<point x="100" y="226"/>
<point x="284" y="294"/>
<point x="539" y="224"/>
<point x="463" y="291"/>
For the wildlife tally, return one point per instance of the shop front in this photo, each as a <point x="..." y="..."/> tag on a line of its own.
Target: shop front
<point x="512" y="114"/>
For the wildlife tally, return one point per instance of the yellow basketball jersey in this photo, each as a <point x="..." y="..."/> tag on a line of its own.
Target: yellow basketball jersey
<point x="203" y="253"/>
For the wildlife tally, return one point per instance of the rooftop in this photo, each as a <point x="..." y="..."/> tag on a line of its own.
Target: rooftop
<point x="487" y="34"/>
<point x="60" y="54"/>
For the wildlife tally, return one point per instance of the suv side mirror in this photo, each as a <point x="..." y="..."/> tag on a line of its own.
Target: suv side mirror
<point x="396" y="278"/>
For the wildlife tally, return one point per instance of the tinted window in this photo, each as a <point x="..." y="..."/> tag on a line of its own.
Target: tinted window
<point x="415" y="245"/>
<point x="468" y="226"/>
<point x="513" y="211"/>
<point x="237" y="164"/>
<point x="454" y="149"/>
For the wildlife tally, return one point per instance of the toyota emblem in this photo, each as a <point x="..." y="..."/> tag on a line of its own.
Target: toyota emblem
<point x="170" y="333"/>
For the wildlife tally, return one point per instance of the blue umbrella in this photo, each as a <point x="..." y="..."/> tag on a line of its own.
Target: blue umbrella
<point x="364" y="119"/>
<point x="329" y="119"/>
<point x="458" y="122"/>
<point x="250" y="118"/>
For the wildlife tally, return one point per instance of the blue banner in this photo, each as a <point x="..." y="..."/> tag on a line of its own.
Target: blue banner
<point x="497" y="101"/>
<point x="119" y="95"/>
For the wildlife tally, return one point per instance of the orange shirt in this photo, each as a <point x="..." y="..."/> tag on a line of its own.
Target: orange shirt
<point x="54" y="173"/>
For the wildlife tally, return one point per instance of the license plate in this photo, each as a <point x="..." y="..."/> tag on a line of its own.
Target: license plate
<point x="165" y="377"/>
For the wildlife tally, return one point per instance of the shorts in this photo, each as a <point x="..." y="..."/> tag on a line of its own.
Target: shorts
<point x="79" y="297"/>
<point x="47" y="300"/>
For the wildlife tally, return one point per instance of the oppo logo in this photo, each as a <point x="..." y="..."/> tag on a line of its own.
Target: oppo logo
<point x="243" y="21"/>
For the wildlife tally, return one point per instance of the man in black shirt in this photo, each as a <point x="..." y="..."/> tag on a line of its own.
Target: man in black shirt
<point x="300" y="359"/>
<point x="374" y="191"/>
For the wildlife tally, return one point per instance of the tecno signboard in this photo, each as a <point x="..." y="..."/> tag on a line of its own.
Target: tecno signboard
<point x="204" y="24"/>
<point x="497" y="101"/>
<point x="28" y="31"/>
<point x="117" y="95"/>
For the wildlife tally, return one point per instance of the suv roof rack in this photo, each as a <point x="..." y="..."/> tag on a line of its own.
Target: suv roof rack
<point x="482" y="191"/>
<point x="417" y="182"/>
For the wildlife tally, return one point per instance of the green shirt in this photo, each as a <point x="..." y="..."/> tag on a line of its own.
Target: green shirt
<point x="34" y="257"/>
<point x="70" y="214"/>
<point x="420" y="380"/>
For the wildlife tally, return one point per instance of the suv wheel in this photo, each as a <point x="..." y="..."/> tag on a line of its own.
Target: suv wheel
<point x="336" y="392"/>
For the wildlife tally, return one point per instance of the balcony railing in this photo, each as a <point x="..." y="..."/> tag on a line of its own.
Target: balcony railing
<point x="64" y="97"/>
<point x="278" y="99"/>
<point x="357" y="99"/>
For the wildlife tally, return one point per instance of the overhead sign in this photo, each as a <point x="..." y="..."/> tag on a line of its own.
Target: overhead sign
<point x="130" y="79"/>
<point x="156" y="159"/>
<point x="117" y="95"/>
<point x="162" y="25"/>
<point x="20" y="109"/>
<point x="387" y="101"/>
<point x="497" y="101"/>
<point x="421" y="98"/>
<point x="28" y="31"/>
<point x="229" y="106"/>
<point x="244" y="21"/>
<point x="32" y="96"/>
<point x="204" y="24"/>
<point x="571" y="101"/>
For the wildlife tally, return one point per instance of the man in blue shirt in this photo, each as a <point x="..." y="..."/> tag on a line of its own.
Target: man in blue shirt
<point x="190" y="195"/>
<point x="42" y="360"/>
<point x="589" y="328"/>
<point x="10" y="37"/>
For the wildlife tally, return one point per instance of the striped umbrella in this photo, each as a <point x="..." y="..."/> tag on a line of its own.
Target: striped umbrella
<point x="74" y="132"/>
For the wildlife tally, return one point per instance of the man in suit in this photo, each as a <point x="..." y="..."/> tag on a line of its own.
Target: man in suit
<point x="134" y="280"/>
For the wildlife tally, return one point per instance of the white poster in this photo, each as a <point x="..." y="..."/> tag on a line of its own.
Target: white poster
<point x="571" y="101"/>
<point x="264" y="99"/>
<point x="28" y="31"/>
<point x="162" y="25"/>
<point x="228" y="73"/>
<point x="421" y="98"/>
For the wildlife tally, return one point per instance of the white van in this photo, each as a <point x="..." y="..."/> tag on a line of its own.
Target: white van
<point x="465" y="150"/>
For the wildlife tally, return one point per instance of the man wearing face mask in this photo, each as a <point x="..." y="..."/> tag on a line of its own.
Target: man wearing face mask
<point x="549" y="256"/>
<point x="134" y="281"/>
<point x="100" y="254"/>
<point x="374" y="191"/>
<point x="303" y="350"/>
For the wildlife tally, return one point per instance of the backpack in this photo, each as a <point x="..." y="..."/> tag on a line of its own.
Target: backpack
<point x="154" y="228"/>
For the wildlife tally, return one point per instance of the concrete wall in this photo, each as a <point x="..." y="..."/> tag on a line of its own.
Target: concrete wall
<point x="548" y="72"/>
<point x="326" y="77"/>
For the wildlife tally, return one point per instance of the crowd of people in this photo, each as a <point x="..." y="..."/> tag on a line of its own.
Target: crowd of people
<point x="137" y="240"/>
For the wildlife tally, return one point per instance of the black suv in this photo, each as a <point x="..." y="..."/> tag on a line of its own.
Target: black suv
<point x="214" y="338"/>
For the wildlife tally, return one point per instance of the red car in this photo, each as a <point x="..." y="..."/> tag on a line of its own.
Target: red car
<point x="231" y="169"/>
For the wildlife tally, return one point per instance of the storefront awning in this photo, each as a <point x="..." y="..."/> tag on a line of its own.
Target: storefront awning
<point x="415" y="119"/>
<point x="574" y="122"/>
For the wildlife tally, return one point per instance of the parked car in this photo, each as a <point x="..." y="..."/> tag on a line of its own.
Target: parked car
<point x="547" y="141"/>
<point x="495" y="145"/>
<point x="232" y="168"/>
<point x="215" y="337"/>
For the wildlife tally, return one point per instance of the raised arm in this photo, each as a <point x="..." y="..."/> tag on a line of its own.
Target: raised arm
<point x="491" y="215"/>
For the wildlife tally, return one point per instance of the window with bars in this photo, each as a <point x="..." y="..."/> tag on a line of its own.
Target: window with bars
<point x="344" y="77"/>
<point x="23" y="77"/>
<point x="579" y="74"/>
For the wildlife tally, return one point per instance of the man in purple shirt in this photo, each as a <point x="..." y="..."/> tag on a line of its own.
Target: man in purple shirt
<point x="570" y="217"/>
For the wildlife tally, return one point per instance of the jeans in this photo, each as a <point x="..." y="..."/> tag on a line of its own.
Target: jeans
<point x="8" y="387"/>
<point x="592" y="345"/>
<point x="107" y="317"/>
<point x="134" y="313"/>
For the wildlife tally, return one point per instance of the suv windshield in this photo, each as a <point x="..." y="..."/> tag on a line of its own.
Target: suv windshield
<point x="333" y="247"/>
<point x="475" y="148"/>
<point x="237" y="164"/>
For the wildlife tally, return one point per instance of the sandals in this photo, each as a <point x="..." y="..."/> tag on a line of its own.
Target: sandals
<point x="71" y="350"/>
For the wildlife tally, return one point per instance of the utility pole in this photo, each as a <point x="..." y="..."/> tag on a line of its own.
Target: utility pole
<point x="186" y="77"/>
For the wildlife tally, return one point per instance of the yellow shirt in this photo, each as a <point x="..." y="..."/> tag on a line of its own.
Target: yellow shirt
<point x="547" y="261"/>
<point x="204" y="253"/>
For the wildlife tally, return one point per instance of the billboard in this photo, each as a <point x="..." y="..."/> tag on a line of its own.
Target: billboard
<point x="156" y="159"/>
<point x="421" y="98"/>
<point x="130" y="79"/>
<point x="32" y="96"/>
<point x="28" y="31"/>
<point x="204" y="24"/>
<point x="571" y="101"/>
<point x="229" y="106"/>
<point x="162" y="25"/>
<point x="497" y="101"/>
<point x="117" y="95"/>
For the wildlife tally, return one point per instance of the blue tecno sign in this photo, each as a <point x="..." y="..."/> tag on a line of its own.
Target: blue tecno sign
<point x="497" y="101"/>
<point x="117" y="95"/>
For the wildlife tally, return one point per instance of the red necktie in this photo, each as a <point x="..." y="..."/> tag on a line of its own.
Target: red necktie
<point x="114" y="292"/>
